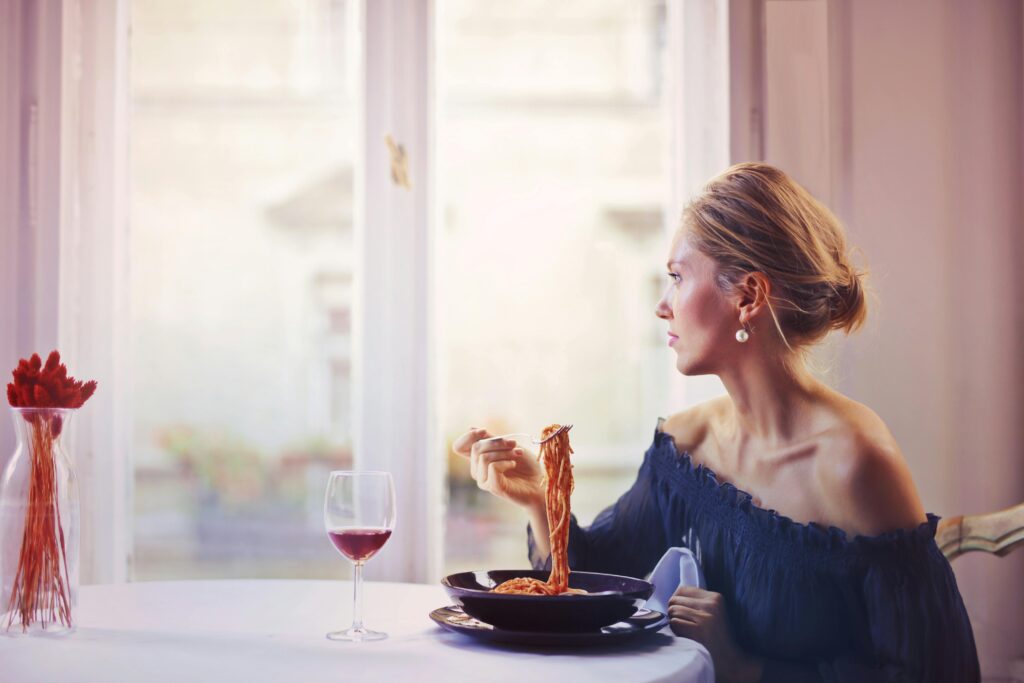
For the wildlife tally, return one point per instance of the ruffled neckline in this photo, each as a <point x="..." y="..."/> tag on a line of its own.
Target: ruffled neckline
<point x="775" y="525"/>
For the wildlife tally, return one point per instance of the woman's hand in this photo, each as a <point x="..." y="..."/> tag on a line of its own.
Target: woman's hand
<point x="502" y="468"/>
<point x="700" y="615"/>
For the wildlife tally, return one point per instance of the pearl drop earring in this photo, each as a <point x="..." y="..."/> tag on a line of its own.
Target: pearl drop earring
<point x="742" y="335"/>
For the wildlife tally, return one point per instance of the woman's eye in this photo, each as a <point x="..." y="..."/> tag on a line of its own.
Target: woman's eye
<point x="674" y="277"/>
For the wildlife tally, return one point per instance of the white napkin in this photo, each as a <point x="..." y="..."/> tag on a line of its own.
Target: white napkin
<point x="677" y="567"/>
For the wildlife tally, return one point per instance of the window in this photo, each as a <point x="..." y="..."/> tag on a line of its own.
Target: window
<point x="243" y="141"/>
<point x="264" y="341"/>
<point x="553" y="144"/>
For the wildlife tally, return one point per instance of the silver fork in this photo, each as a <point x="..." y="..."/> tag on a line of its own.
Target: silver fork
<point x="694" y="545"/>
<point x="535" y="442"/>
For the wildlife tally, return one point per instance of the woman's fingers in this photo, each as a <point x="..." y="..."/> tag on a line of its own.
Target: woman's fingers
<point x="692" y="596"/>
<point x="487" y="459"/>
<point x="693" y="592"/>
<point x="464" y="443"/>
<point x="494" y="470"/>
<point x="478" y="458"/>
<point x="685" y="629"/>
<point x="685" y="616"/>
<point x="692" y="614"/>
<point x="487" y="445"/>
<point x="687" y="600"/>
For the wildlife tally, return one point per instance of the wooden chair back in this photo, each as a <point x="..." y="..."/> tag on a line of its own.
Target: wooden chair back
<point x="995" y="532"/>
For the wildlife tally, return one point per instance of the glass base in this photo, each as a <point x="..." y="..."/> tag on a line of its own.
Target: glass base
<point x="356" y="635"/>
<point x="35" y="629"/>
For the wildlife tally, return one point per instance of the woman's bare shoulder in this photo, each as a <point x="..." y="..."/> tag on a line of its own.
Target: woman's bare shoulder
<point x="689" y="428"/>
<point x="867" y="483"/>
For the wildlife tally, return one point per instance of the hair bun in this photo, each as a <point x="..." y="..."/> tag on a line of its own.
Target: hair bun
<point x="848" y="307"/>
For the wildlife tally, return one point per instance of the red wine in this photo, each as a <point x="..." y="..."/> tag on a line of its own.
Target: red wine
<point x="359" y="545"/>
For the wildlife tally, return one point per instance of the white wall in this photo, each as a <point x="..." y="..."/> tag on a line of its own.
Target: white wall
<point x="924" y="104"/>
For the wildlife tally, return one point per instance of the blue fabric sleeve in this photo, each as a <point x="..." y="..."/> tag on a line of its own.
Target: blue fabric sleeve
<point x="916" y="629"/>
<point x="626" y="538"/>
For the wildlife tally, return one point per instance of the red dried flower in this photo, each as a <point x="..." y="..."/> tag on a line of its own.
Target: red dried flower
<point x="40" y="591"/>
<point x="52" y="361"/>
<point x="46" y="386"/>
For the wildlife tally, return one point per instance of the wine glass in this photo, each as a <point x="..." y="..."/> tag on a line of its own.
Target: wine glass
<point x="359" y="515"/>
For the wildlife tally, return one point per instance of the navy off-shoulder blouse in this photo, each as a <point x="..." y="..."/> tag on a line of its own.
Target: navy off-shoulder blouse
<point x="816" y="605"/>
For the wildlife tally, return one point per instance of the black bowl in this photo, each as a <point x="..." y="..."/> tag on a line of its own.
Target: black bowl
<point x="609" y="599"/>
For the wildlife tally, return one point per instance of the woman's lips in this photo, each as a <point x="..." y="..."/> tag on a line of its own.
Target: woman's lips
<point x="671" y="338"/>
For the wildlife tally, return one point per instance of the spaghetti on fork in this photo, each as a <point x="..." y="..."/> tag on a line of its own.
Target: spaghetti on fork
<point x="558" y="474"/>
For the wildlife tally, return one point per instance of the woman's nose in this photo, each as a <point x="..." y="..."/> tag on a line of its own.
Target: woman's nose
<point x="663" y="310"/>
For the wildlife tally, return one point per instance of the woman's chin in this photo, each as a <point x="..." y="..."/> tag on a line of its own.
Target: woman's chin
<point x="691" y="367"/>
<point x="684" y="366"/>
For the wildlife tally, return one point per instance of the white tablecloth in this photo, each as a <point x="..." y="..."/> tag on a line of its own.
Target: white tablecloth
<point x="274" y="631"/>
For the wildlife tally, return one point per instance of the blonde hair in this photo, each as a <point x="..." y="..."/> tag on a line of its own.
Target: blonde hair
<point x="755" y="218"/>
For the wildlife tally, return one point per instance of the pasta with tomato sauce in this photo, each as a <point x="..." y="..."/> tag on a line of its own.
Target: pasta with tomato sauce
<point x="558" y="474"/>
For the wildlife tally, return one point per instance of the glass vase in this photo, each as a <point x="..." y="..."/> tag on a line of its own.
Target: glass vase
<point x="39" y="528"/>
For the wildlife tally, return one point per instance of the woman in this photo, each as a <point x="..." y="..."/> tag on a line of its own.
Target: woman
<point x="856" y="590"/>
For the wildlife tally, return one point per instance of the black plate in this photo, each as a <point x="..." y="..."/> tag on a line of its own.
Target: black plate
<point x="610" y="599"/>
<point x="454" y="619"/>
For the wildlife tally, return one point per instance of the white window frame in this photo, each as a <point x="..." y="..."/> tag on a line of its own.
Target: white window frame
<point x="72" y="290"/>
<point x="395" y="425"/>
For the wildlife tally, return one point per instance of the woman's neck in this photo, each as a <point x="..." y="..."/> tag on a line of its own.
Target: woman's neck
<point x="772" y="396"/>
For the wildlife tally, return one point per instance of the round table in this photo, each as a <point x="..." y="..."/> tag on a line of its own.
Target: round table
<point x="275" y="631"/>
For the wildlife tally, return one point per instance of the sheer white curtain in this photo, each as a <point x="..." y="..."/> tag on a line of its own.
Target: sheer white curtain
<point x="63" y="235"/>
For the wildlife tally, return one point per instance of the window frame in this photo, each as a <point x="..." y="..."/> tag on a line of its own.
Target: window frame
<point x="71" y="273"/>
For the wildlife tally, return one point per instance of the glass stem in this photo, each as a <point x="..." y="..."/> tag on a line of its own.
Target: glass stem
<point x="357" y="597"/>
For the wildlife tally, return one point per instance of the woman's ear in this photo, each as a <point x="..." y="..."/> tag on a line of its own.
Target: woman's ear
<point x="754" y="291"/>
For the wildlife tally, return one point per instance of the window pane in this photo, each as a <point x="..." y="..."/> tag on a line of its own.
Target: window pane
<point x="242" y="147"/>
<point x="553" y="146"/>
